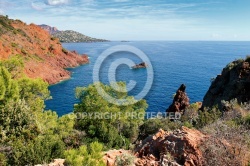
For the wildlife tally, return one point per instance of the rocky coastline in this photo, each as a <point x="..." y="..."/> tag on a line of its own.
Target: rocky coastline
<point x="43" y="55"/>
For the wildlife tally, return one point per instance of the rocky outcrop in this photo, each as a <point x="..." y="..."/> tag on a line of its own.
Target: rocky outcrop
<point x="141" y="65"/>
<point x="232" y="83"/>
<point x="52" y="69"/>
<point x="43" y="56"/>
<point x="180" y="147"/>
<point x="180" y="101"/>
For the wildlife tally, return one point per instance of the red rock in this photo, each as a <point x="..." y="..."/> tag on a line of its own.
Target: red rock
<point x="182" y="145"/>
<point x="180" y="102"/>
<point x="44" y="55"/>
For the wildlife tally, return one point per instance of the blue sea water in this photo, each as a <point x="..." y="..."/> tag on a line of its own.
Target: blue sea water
<point x="193" y="63"/>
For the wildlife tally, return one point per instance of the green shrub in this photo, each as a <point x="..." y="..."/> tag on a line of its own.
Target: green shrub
<point x="14" y="65"/>
<point x="23" y="51"/>
<point x="207" y="117"/>
<point x="9" y="87"/>
<point x="91" y="155"/>
<point x="3" y="160"/>
<point x="151" y="126"/>
<point x="14" y="44"/>
<point x="42" y="150"/>
<point x="125" y="160"/>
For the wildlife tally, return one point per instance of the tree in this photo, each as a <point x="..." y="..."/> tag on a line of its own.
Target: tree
<point x="42" y="149"/>
<point x="14" y="65"/>
<point x="34" y="92"/>
<point x="91" y="155"/>
<point x="8" y="87"/>
<point x="114" y="125"/>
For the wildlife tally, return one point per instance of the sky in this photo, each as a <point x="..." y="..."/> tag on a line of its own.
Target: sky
<point x="224" y="20"/>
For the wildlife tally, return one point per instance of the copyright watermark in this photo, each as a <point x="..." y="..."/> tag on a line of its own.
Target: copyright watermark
<point x="112" y="74"/>
<point x="128" y="115"/>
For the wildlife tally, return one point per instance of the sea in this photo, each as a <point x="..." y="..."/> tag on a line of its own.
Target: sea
<point x="171" y="63"/>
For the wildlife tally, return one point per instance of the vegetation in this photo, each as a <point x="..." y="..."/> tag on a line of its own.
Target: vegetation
<point x="91" y="155"/>
<point x="152" y="125"/>
<point x="106" y="122"/>
<point x="30" y="135"/>
<point x="229" y="137"/>
<point x="125" y="160"/>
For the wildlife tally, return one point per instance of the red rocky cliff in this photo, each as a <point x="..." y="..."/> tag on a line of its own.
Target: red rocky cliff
<point x="44" y="57"/>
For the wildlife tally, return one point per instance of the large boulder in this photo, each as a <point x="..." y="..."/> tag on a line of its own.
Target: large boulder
<point x="180" y="147"/>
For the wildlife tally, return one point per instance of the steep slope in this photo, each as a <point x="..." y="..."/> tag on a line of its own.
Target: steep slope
<point x="69" y="36"/>
<point x="232" y="83"/>
<point x="44" y="57"/>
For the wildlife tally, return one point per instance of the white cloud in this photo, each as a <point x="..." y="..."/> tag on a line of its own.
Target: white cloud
<point x="56" y="2"/>
<point x="37" y="5"/>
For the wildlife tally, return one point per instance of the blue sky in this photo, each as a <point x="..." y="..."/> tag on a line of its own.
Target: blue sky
<point x="139" y="19"/>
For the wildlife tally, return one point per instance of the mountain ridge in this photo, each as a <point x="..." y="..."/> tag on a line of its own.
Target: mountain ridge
<point x="70" y="36"/>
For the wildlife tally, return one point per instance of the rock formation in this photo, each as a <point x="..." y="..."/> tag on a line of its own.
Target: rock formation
<point x="180" y="147"/>
<point x="232" y="83"/>
<point x="43" y="56"/>
<point x="141" y="65"/>
<point x="180" y="101"/>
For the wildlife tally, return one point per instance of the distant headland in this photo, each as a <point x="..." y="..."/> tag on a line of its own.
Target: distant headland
<point x="70" y="36"/>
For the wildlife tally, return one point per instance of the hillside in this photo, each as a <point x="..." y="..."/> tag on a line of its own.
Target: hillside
<point x="43" y="55"/>
<point x="232" y="83"/>
<point x="70" y="36"/>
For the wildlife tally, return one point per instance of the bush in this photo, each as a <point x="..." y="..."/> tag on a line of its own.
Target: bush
<point x="23" y="51"/>
<point x="85" y="156"/>
<point x="3" y="160"/>
<point x="227" y="144"/>
<point x="17" y="122"/>
<point x="42" y="150"/>
<point x="207" y="116"/>
<point x="151" y="126"/>
<point x="125" y="160"/>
